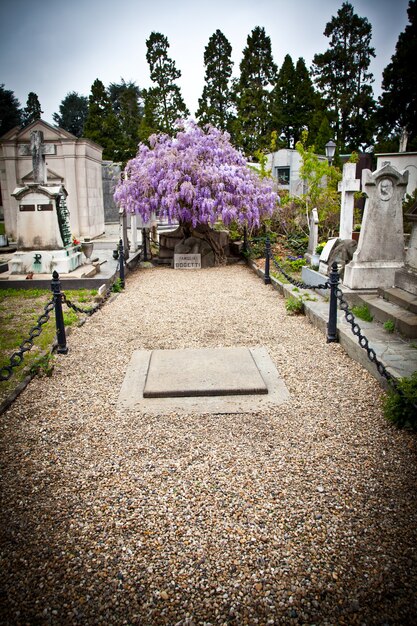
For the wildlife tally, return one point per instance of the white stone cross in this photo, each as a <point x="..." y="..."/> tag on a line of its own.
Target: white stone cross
<point x="348" y="185"/>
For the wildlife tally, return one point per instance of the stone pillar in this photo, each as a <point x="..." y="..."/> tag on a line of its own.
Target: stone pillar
<point x="313" y="239"/>
<point x="348" y="185"/>
<point x="380" y="249"/>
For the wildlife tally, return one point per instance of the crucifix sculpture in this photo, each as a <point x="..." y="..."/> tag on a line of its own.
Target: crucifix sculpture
<point x="37" y="149"/>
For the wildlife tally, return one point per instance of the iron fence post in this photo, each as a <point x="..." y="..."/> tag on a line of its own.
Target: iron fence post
<point x="267" y="278"/>
<point x="332" y="323"/>
<point x="59" y="317"/>
<point x="121" y="264"/>
<point x="144" y="244"/>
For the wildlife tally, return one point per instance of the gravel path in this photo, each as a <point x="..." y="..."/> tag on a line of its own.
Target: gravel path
<point x="303" y="515"/>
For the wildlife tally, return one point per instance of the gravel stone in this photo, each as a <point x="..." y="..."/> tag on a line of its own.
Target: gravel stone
<point x="305" y="514"/>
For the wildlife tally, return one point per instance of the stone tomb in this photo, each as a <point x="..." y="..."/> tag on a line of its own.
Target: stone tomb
<point x="380" y="251"/>
<point x="348" y="186"/>
<point x="220" y="380"/>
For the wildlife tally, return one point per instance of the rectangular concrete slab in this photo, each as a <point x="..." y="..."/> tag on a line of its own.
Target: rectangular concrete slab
<point x="202" y="372"/>
<point x="131" y="396"/>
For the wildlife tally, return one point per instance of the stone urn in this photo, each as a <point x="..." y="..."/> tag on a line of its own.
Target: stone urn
<point x="87" y="248"/>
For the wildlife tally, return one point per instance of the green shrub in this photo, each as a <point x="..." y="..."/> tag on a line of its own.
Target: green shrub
<point x="389" y="326"/>
<point x="294" y="305"/>
<point x="362" y="311"/>
<point x="400" y="408"/>
<point x="117" y="286"/>
<point x="319" y="248"/>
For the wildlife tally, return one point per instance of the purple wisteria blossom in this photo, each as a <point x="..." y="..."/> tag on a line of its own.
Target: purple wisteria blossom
<point x="196" y="178"/>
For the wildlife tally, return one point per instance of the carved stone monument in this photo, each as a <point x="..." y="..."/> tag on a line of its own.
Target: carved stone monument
<point x="44" y="238"/>
<point x="380" y="251"/>
<point x="348" y="186"/>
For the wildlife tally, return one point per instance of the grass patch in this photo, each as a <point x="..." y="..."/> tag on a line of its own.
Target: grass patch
<point x="20" y="310"/>
<point x="362" y="312"/>
<point x="389" y="326"/>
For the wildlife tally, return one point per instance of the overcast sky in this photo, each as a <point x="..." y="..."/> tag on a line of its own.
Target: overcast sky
<point x="53" y="47"/>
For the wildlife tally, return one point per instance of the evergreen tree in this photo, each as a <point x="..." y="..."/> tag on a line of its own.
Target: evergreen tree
<point x="101" y="124"/>
<point x="306" y="100"/>
<point x="72" y="114"/>
<point x="126" y="103"/>
<point x="10" y="111"/>
<point x="284" y="104"/>
<point x="216" y="101"/>
<point x="343" y="78"/>
<point x="163" y="103"/>
<point x="32" y="110"/>
<point x="253" y="125"/>
<point x="398" y="102"/>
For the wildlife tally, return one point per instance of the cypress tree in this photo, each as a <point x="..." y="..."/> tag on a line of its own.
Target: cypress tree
<point x="216" y="100"/>
<point x="343" y="78"/>
<point x="284" y="104"/>
<point x="163" y="103"/>
<point x="253" y="125"/>
<point x="126" y="103"/>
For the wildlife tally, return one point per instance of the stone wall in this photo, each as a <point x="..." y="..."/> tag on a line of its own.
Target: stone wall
<point x="110" y="175"/>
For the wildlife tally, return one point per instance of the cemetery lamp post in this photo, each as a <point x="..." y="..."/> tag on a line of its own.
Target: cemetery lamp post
<point x="330" y="150"/>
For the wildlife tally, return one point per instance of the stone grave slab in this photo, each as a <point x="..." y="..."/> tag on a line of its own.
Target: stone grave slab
<point x="203" y="372"/>
<point x="223" y="380"/>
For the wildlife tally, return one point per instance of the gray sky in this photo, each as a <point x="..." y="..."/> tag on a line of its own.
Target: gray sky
<point x="53" y="47"/>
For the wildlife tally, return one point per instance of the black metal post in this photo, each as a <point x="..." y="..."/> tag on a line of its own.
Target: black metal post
<point x="332" y="323"/>
<point x="121" y="264"/>
<point x="245" y="240"/>
<point x="144" y="244"/>
<point x="267" y="278"/>
<point x="59" y="318"/>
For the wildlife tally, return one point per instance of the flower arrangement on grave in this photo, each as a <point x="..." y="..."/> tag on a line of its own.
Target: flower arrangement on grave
<point x="195" y="178"/>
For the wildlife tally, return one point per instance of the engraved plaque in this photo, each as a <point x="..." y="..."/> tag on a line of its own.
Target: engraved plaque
<point x="26" y="207"/>
<point x="44" y="207"/>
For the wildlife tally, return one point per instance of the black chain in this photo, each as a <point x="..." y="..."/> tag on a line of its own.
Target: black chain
<point x="17" y="357"/>
<point x="91" y="310"/>
<point x="298" y="283"/>
<point x="363" y="341"/>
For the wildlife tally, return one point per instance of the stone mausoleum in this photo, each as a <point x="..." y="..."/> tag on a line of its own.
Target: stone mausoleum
<point x="64" y="161"/>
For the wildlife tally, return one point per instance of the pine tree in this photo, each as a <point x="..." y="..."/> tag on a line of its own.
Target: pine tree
<point x="253" y="126"/>
<point x="72" y="114"/>
<point x="101" y="124"/>
<point x="10" y="111"/>
<point x="163" y="103"/>
<point x="343" y="78"/>
<point x="32" y="110"/>
<point x="216" y="101"/>
<point x="398" y="102"/>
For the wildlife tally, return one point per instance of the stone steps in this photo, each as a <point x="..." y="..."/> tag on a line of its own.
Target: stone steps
<point x="404" y="299"/>
<point x="405" y="321"/>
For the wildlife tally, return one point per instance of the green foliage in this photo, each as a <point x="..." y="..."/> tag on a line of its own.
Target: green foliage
<point x="43" y="365"/>
<point x="294" y="305"/>
<point x="163" y="103"/>
<point x="10" y="110"/>
<point x="320" y="247"/>
<point x="343" y="78"/>
<point x="32" y="111"/>
<point x="72" y="114"/>
<point x="400" y="407"/>
<point x="389" y="326"/>
<point x="362" y="311"/>
<point x="321" y="180"/>
<point x="214" y="106"/>
<point x="117" y="286"/>
<point x="253" y="125"/>
<point x="126" y="102"/>
<point x="101" y="124"/>
<point x="398" y="102"/>
<point x="70" y="317"/>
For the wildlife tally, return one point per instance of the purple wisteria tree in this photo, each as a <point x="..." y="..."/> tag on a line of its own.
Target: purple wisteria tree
<point x="195" y="178"/>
